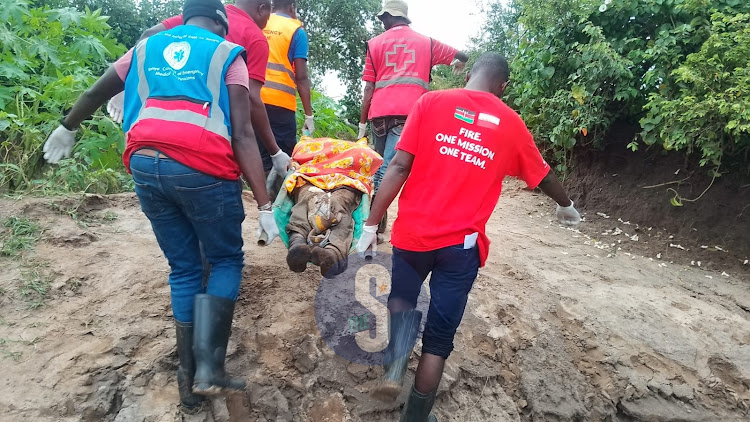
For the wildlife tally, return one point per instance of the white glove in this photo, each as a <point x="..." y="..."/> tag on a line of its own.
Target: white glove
<point x="59" y="145"/>
<point x="362" y="130"/>
<point x="267" y="225"/>
<point x="116" y="107"/>
<point x="458" y="67"/>
<point x="309" y="127"/>
<point x="281" y="162"/>
<point x="568" y="215"/>
<point x="368" y="240"/>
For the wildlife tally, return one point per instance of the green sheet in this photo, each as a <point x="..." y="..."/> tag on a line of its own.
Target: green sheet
<point x="282" y="212"/>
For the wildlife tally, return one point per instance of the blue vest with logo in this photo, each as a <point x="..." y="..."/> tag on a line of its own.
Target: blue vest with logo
<point x="176" y="98"/>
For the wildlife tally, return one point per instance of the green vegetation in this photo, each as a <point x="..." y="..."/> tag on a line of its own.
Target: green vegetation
<point x="677" y="68"/>
<point x="35" y="283"/>
<point x="20" y="235"/>
<point x="47" y="59"/>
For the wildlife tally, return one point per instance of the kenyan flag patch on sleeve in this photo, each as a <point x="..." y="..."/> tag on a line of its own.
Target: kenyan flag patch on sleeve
<point x="465" y="115"/>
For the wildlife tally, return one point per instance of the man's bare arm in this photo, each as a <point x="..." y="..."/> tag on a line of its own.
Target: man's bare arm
<point x="244" y="143"/>
<point x="366" y="101"/>
<point x="395" y="177"/>
<point x="302" y="78"/>
<point x="259" y="118"/>
<point x="103" y="89"/>
<point x="551" y="187"/>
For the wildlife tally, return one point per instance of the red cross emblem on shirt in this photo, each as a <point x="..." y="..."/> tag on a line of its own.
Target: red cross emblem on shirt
<point x="397" y="58"/>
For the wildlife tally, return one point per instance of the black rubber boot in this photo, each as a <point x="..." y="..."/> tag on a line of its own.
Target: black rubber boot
<point x="190" y="403"/>
<point x="403" y="336"/>
<point x="213" y="326"/>
<point x="418" y="406"/>
<point x="299" y="253"/>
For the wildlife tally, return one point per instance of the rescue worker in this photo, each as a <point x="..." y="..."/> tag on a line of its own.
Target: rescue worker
<point x="397" y="72"/>
<point x="457" y="147"/>
<point x="286" y="74"/>
<point x="188" y="139"/>
<point x="246" y="19"/>
<point x="327" y="186"/>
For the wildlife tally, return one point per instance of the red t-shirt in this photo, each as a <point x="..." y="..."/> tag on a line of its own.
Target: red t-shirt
<point x="245" y="32"/>
<point x="464" y="144"/>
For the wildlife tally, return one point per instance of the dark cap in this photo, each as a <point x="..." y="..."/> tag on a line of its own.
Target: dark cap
<point x="213" y="9"/>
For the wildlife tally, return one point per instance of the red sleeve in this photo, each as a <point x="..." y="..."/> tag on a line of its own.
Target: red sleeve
<point x="409" y="141"/>
<point x="257" y="59"/>
<point x="173" y="21"/>
<point x="529" y="165"/>
<point x="368" y="74"/>
<point x="442" y="53"/>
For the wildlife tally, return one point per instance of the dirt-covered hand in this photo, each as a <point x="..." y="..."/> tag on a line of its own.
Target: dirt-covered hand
<point x="116" y="107"/>
<point x="309" y="127"/>
<point x="59" y="145"/>
<point x="267" y="225"/>
<point x="568" y="215"/>
<point x="362" y="130"/>
<point x="368" y="240"/>
<point x="281" y="162"/>
<point x="458" y="67"/>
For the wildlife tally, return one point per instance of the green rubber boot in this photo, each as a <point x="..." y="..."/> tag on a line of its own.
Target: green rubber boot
<point x="212" y="328"/>
<point x="189" y="403"/>
<point x="403" y="336"/>
<point x="418" y="406"/>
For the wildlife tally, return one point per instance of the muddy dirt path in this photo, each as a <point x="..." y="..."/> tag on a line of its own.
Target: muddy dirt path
<point x="562" y="325"/>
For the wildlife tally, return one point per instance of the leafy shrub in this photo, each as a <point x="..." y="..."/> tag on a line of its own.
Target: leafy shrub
<point x="329" y="118"/>
<point x="578" y="66"/>
<point x="709" y="110"/>
<point x="47" y="59"/>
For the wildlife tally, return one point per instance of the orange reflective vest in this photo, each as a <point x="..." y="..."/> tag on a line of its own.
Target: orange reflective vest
<point x="402" y="59"/>
<point x="280" y="88"/>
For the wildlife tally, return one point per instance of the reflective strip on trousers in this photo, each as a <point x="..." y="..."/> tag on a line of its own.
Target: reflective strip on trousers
<point x="403" y="80"/>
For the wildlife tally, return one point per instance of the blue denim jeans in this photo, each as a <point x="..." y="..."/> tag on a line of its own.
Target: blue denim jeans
<point x="188" y="208"/>
<point x="454" y="270"/>
<point x="386" y="147"/>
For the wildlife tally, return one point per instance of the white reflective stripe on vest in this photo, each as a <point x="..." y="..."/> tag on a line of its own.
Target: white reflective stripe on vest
<point x="281" y="68"/>
<point x="403" y="80"/>
<point x="280" y="87"/>
<point x="215" y="122"/>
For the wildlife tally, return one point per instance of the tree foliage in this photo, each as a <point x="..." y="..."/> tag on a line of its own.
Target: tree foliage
<point x="581" y="65"/>
<point x="128" y="18"/>
<point x="338" y="30"/>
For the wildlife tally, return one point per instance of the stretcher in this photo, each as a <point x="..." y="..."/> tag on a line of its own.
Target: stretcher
<point x="282" y="212"/>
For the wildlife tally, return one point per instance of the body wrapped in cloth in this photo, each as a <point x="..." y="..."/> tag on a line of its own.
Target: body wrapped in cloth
<point x="326" y="198"/>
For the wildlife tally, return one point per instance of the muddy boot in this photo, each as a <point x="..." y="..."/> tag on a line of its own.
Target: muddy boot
<point x="299" y="253"/>
<point x="403" y="336"/>
<point x="329" y="262"/>
<point x="418" y="406"/>
<point x="213" y="326"/>
<point x="189" y="403"/>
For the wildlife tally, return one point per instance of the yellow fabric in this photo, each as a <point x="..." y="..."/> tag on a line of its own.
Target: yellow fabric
<point x="279" y="32"/>
<point x="331" y="163"/>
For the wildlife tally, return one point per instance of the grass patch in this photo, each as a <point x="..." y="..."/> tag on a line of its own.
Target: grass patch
<point x="35" y="283"/>
<point x="20" y="234"/>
